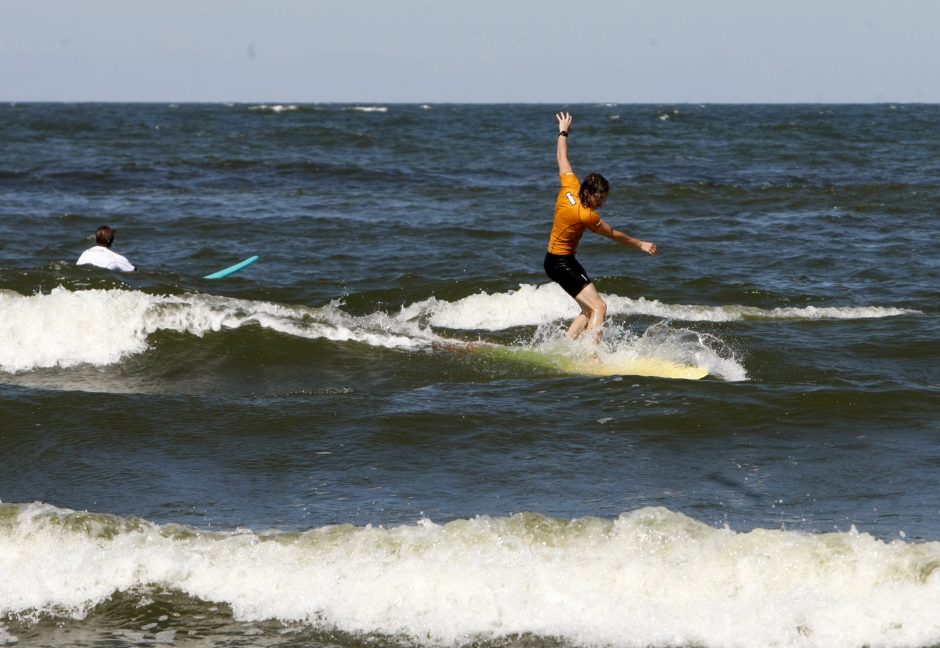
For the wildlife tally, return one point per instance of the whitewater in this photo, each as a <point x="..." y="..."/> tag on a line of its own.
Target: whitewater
<point x="648" y="577"/>
<point x="65" y="328"/>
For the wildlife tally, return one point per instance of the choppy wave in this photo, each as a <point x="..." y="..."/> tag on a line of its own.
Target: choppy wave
<point x="276" y="108"/>
<point x="65" y="328"/>
<point x="651" y="577"/>
<point x="534" y="305"/>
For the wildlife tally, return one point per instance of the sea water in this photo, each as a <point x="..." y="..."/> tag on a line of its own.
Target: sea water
<point x="312" y="451"/>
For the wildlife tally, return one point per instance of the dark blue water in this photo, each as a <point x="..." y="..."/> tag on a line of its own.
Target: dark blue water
<point x="317" y="450"/>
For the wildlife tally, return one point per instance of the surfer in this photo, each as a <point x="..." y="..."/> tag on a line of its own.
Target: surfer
<point x="576" y="209"/>
<point x="101" y="254"/>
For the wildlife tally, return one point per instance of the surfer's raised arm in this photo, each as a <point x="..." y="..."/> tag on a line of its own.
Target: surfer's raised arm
<point x="564" y="123"/>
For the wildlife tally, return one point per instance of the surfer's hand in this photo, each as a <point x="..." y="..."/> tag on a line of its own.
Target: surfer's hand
<point x="564" y="121"/>
<point x="649" y="248"/>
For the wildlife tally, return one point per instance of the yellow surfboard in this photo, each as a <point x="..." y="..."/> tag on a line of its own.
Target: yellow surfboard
<point x="653" y="367"/>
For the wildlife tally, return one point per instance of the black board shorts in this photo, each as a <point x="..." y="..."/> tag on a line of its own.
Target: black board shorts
<point x="565" y="270"/>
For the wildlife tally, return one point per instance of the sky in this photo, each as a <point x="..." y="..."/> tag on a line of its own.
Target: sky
<point x="473" y="51"/>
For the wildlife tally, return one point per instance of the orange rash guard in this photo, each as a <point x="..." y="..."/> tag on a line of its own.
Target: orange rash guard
<point x="571" y="217"/>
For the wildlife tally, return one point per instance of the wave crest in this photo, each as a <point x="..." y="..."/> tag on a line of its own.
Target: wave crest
<point x="101" y="327"/>
<point x="535" y="305"/>
<point x="65" y="328"/>
<point x="649" y="577"/>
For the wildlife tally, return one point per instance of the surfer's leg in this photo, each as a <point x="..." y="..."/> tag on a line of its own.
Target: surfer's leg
<point x="593" y="313"/>
<point x="568" y="273"/>
<point x="578" y="325"/>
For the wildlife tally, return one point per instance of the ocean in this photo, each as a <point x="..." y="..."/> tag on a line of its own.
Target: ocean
<point x="325" y="450"/>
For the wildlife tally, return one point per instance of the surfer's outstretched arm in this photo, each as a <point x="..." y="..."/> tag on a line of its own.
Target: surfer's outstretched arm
<point x="564" y="123"/>
<point x="603" y="228"/>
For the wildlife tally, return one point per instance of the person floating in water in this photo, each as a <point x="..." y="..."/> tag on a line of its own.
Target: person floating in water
<point x="101" y="254"/>
<point x="576" y="209"/>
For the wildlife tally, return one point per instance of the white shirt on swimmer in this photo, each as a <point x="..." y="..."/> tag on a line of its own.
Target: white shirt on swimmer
<point x="104" y="258"/>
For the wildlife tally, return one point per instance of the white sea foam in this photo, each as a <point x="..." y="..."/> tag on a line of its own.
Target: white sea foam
<point x="276" y="108"/>
<point x="649" y="578"/>
<point x="101" y="327"/>
<point x="66" y="328"/>
<point x="534" y="305"/>
<point x="7" y="638"/>
<point x="379" y="109"/>
<point x="668" y="342"/>
<point x="529" y="305"/>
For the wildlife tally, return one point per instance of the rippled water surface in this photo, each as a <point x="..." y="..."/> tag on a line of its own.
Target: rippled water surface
<point x="376" y="433"/>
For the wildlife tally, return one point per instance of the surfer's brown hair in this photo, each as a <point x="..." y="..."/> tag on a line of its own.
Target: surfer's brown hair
<point x="105" y="236"/>
<point x="594" y="186"/>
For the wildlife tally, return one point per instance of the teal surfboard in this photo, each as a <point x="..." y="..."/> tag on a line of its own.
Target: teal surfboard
<point x="232" y="269"/>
